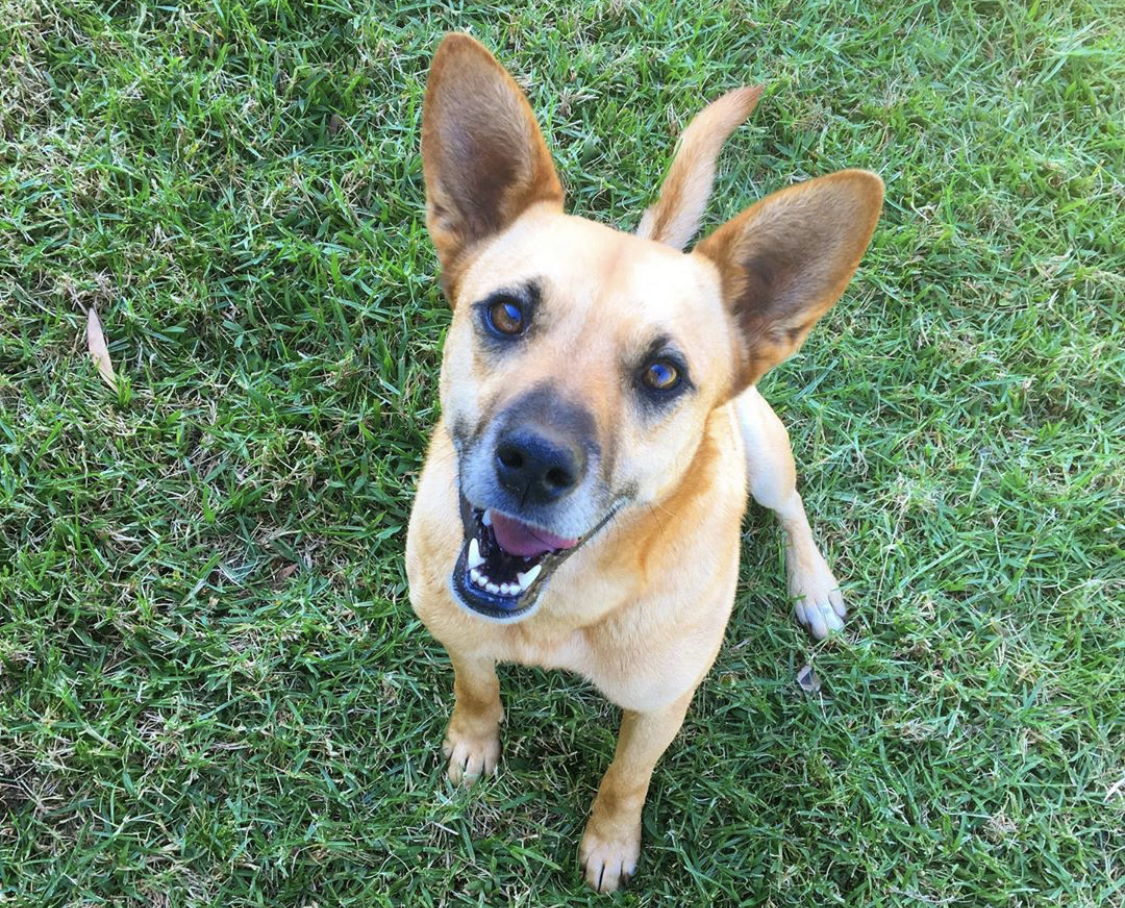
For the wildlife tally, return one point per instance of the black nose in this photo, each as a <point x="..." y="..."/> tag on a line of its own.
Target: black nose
<point x="536" y="468"/>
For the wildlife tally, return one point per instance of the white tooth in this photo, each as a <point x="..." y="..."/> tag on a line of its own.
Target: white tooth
<point x="529" y="578"/>
<point x="510" y="589"/>
<point x="486" y="517"/>
<point x="477" y="577"/>
<point x="492" y="588"/>
<point x="475" y="559"/>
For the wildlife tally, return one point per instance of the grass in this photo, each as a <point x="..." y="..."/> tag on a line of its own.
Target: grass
<point x="212" y="688"/>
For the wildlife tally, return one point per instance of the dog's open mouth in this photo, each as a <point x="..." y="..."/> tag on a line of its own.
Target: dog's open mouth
<point x="504" y="562"/>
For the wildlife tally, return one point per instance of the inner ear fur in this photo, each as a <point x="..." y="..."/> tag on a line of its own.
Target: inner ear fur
<point x="784" y="261"/>
<point x="674" y="218"/>
<point x="483" y="156"/>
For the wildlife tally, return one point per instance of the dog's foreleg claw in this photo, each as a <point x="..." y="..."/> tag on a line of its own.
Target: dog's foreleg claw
<point x="609" y="864"/>
<point x="818" y="603"/>
<point x="471" y="757"/>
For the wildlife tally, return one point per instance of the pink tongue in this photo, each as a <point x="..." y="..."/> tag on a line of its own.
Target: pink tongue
<point x="517" y="538"/>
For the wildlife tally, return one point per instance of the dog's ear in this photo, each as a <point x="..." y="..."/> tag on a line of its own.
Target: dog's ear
<point x="784" y="261"/>
<point x="674" y="218"/>
<point x="483" y="156"/>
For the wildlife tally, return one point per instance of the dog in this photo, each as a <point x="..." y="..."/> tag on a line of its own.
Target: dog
<point x="582" y="498"/>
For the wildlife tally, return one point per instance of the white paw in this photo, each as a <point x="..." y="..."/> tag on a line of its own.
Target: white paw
<point x="470" y="757"/>
<point x="817" y="600"/>
<point x="610" y="863"/>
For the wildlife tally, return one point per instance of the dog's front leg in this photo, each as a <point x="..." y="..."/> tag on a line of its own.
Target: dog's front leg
<point x="817" y="601"/>
<point x="612" y="841"/>
<point x="472" y="741"/>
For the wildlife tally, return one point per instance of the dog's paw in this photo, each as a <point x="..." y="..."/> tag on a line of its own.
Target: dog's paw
<point x="817" y="600"/>
<point x="470" y="756"/>
<point x="609" y="862"/>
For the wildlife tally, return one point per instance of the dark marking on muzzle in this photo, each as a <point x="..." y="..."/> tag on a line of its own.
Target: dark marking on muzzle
<point x="544" y="446"/>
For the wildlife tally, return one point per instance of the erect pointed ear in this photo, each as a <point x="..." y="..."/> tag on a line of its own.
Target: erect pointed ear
<point x="483" y="156"/>
<point x="784" y="261"/>
<point x="674" y="217"/>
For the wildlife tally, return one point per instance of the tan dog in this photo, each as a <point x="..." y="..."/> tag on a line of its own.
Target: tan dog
<point x="582" y="500"/>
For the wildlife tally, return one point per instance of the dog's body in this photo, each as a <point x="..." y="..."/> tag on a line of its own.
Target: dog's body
<point x="582" y="499"/>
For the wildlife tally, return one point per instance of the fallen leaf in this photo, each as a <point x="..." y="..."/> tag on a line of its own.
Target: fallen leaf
<point x="95" y="340"/>
<point x="808" y="680"/>
<point x="283" y="574"/>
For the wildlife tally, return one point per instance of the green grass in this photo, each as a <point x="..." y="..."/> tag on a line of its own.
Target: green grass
<point x="212" y="688"/>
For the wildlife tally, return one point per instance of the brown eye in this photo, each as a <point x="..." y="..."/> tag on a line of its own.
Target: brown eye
<point x="506" y="316"/>
<point x="661" y="375"/>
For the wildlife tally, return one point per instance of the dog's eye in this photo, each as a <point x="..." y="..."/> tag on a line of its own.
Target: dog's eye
<point x="506" y="316"/>
<point x="661" y="375"/>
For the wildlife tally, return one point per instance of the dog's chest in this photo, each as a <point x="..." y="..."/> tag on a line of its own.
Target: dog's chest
<point x="632" y="676"/>
<point x="560" y="649"/>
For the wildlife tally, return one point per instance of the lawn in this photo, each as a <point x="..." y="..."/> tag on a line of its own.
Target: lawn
<point x="213" y="691"/>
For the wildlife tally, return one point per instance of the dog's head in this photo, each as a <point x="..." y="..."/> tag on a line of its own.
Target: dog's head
<point x="582" y="363"/>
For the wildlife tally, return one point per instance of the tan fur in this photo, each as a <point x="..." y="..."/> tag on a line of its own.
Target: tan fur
<point x="776" y="290"/>
<point x="674" y="218"/>
<point x="640" y="609"/>
<point x="473" y="192"/>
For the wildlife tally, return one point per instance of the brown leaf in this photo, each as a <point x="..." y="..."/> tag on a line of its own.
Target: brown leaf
<point x="808" y="680"/>
<point x="283" y="574"/>
<point x="95" y="340"/>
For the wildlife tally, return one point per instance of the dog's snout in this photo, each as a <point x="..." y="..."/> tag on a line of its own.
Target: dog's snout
<point x="536" y="468"/>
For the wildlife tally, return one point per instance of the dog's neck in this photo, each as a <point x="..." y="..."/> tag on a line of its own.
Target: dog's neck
<point x="652" y="529"/>
<point x="646" y="540"/>
<point x="619" y="571"/>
